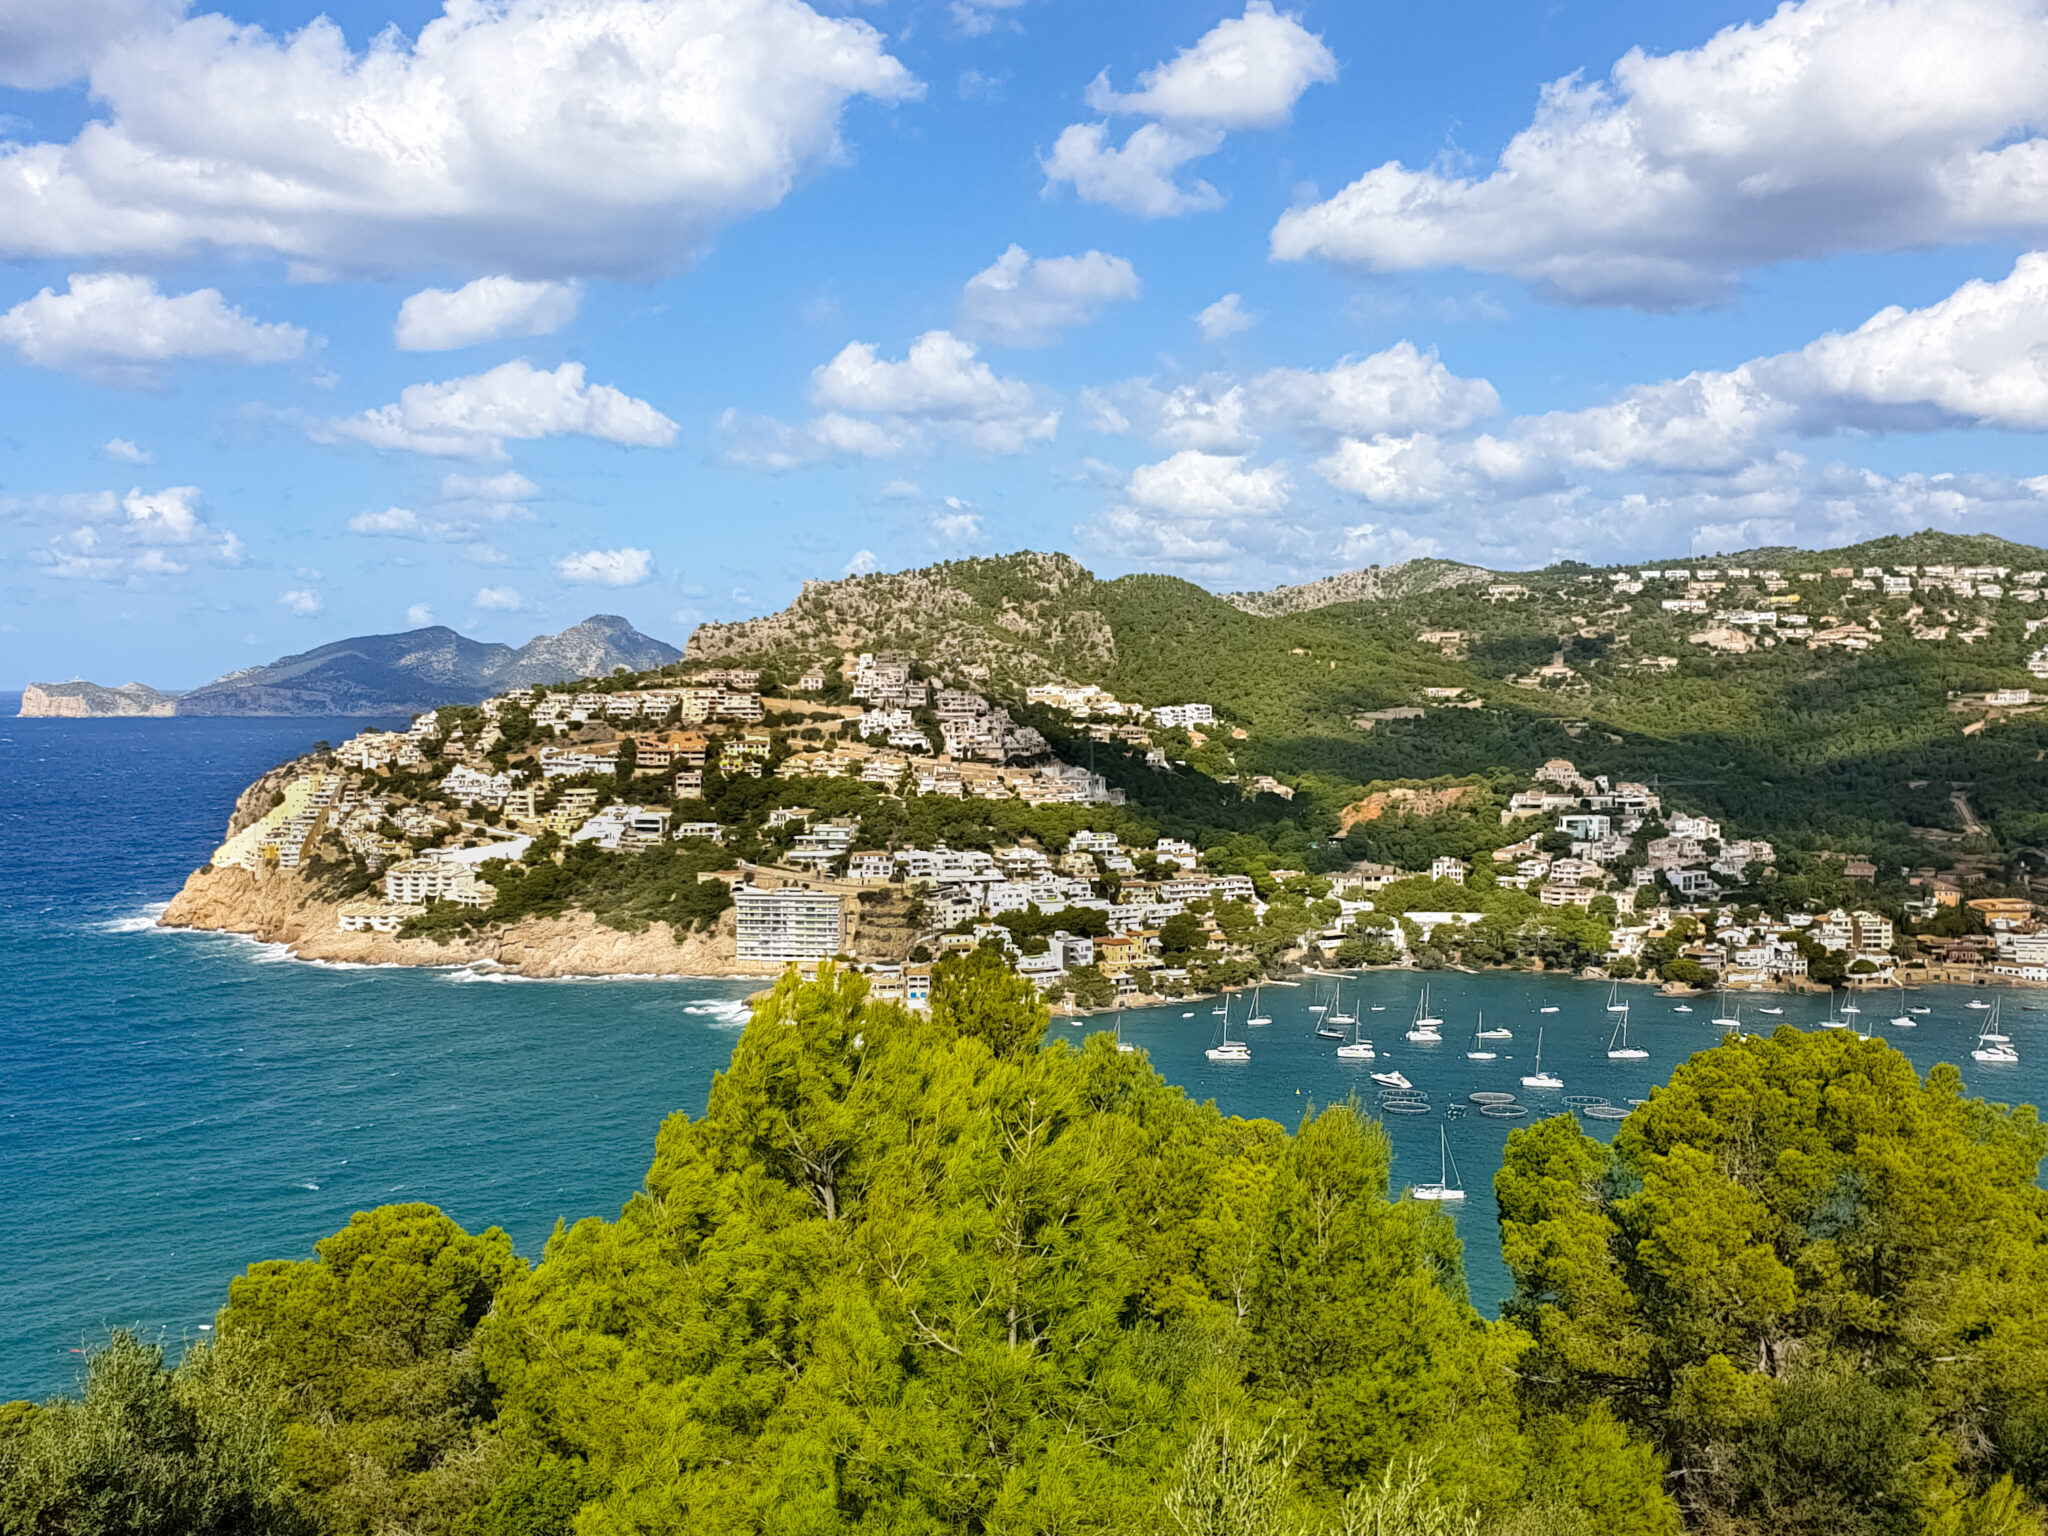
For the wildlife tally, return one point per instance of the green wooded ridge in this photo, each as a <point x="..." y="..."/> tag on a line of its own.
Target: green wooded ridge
<point x="919" y="1274"/>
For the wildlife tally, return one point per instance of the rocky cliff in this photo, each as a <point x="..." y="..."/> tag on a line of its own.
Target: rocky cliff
<point x="276" y="907"/>
<point x="82" y="700"/>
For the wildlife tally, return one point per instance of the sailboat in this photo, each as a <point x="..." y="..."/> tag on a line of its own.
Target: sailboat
<point x="1257" y="1018"/>
<point x="1359" y="1048"/>
<point x="1540" y="1078"/>
<point x="1900" y="1020"/>
<point x="1228" y="1049"/>
<point x="1448" y="1185"/>
<point x="1479" y="1052"/>
<point x="1729" y="1020"/>
<point x="1614" y="1005"/>
<point x="1424" y="1031"/>
<point x="1993" y="1046"/>
<point x="1123" y="1046"/>
<point x="1496" y="1034"/>
<point x="1834" y="1020"/>
<point x="1332" y="1026"/>
<point x="1618" y="1048"/>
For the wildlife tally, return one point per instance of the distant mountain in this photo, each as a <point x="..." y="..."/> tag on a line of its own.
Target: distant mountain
<point x="375" y="674"/>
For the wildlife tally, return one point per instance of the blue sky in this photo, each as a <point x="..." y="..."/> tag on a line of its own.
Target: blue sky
<point x="504" y="315"/>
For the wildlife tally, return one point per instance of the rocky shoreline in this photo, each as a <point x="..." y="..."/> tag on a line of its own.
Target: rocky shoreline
<point x="275" y="907"/>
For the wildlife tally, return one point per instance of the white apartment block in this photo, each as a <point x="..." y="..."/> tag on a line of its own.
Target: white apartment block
<point x="788" y="926"/>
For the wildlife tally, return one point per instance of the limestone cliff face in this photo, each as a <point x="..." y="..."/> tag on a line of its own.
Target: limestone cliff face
<point x="277" y="907"/>
<point x="81" y="700"/>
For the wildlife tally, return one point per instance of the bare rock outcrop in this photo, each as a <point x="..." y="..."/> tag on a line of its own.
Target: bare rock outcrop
<point x="278" y="907"/>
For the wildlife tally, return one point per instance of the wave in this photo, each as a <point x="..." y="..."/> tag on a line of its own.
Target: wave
<point x="141" y="920"/>
<point x="727" y="1013"/>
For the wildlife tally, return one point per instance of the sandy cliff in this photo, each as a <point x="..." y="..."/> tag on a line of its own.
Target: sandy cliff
<point x="280" y="908"/>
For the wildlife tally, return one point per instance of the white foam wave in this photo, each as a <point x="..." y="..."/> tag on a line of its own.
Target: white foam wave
<point x="141" y="920"/>
<point x="726" y="1013"/>
<point x="309" y="1186"/>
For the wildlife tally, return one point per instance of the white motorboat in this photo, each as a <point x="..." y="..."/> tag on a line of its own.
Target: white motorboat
<point x="1496" y="1034"/>
<point x="1391" y="1080"/>
<point x="1776" y="1013"/>
<point x="1448" y="1185"/>
<point x="1683" y="1008"/>
<point x="1540" y="1078"/>
<point x="1479" y="1052"/>
<point x="1426" y="1028"/>
<point x="1379" y="1007"/>
<point x="1548" y="1008"/>
<point x="1921" y="1011"/>
<point x="1618" y="1048"/>
<point x="1974" y="1003"/>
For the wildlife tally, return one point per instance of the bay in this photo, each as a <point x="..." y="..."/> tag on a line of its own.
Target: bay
<point x="174" y="1107"/>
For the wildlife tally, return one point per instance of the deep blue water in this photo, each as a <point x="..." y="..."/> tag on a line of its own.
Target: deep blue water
<point x="174" y="1107"/>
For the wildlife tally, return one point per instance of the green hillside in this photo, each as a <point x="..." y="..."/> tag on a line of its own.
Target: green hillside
<point x="1857" y="750"/>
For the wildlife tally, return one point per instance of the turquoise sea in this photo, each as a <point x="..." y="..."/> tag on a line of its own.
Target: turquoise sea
<point x="174" y="1107"/>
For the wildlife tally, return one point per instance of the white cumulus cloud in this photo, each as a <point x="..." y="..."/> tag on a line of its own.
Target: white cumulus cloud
<point x="1830" y="125"/>
<point x="499" y="599"/>
<point x="302" y="601"/>
<point x="121" y="448"/>
<point x="1399" y="389"/>
<point x="474" y="416"/>
<point x="1027" y="301"/>
<point x="1208" y="485"/>
<point x="117" y="327"/>
<point x="876" y="407"/>
<point x="471" y="146"/>
<point x="44" y="44"/>
<point x="419" y="615"/>
<point x="395" y="522"/>
<point x="606" y="567"/>
<point x="437" y="320"/>
<point x="1245" y="72"/>
<point x="1138" y="176"/>
<point x="1226" y="317"/>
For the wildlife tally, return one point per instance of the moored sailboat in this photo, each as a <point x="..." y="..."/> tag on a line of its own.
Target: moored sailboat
<point x="1540" y="1078"/>
<point x="1448" y="1185"/>
<point x="1479" y="1052"/>
<point x="1618" y="1048"/>
<point x="1993" y="1046"/>
<point x="1425" y="1029"/>
<point x="1228" y="1049"/>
